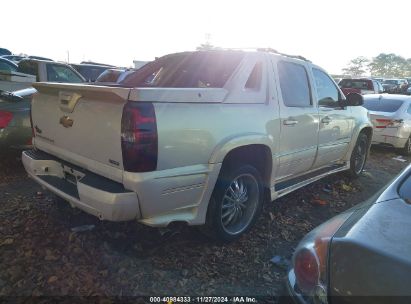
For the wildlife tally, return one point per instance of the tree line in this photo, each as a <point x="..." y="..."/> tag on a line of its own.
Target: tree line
<point x="384" y="65"/>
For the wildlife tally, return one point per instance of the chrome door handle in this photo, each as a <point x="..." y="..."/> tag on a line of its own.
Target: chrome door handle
<point x="326" y="120"/>
<point x="290" y="122"/>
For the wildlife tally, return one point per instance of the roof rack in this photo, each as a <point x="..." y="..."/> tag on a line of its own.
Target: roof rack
<point x="267" y="50"/>
<point x="271" y="50"/>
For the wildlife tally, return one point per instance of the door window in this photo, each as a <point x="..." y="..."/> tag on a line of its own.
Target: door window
<point x="327" y="92"/>
<point x="295" y="88"/>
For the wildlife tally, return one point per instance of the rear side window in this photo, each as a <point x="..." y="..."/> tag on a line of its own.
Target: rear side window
<point x="60" y="73"/>
<point x="382" y="105"/>
<point x="294" y="84"/>
<point x="186" y="70"/>
<point x="254" y="80"/>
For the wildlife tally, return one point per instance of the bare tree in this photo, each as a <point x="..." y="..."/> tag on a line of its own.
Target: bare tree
<point x="357" y="66"/>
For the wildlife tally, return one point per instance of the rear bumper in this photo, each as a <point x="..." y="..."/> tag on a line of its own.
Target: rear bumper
<point x="99" y="196"/>
<point x="392" y="140"/>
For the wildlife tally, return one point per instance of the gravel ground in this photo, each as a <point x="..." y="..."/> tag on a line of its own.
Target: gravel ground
<point x="40" y="255"/>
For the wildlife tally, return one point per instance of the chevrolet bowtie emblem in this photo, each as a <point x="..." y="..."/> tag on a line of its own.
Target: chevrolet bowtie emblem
<point x="66" y="121"/>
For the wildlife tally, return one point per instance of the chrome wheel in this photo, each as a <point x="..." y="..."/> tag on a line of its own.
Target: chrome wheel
<point x="360" y="155"/>
<point x="239" y="204"/>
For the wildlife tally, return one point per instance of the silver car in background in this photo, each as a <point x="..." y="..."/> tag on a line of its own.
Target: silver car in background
<point x="391" y="118"/>
<point x="360" y="256"/>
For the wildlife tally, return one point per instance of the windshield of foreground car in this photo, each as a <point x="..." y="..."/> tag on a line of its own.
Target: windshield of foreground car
<point x="186" y="70"/>
<point x="385" y="105"/>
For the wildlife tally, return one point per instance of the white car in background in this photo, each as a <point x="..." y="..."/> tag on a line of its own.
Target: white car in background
<point x="391" y="117"/>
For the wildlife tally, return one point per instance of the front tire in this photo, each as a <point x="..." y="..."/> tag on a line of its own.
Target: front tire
<point x="235" y="204"/>
<point x="359" y="155"/>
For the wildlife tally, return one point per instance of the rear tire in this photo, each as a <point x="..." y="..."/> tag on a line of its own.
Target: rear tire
<point x="235" y="204"/>
<point x="359" y="155"/>
<point x="407" y="148"/>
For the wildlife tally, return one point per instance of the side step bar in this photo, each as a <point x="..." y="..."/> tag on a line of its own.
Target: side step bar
<point x="285" y="187"/>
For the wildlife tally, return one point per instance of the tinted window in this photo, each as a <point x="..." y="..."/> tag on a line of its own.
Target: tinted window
<point x="109" y="76"/>
<point x="354" y="84"/>
<point x="294" y="84"/>
<point x="28" y="67"/>
<point x="382" y="105"/>
<point x="254" y="80"/>
<point x="60" y="73"/>
<point x="186" y="70"/>
<point x="327" y="92"/>
<point x="5" y="66"/>
<point x="91" y="73"/>
<point x="391" y="81"/>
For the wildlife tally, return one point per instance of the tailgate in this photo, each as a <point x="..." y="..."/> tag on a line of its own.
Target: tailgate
<point x="81" y="124"/>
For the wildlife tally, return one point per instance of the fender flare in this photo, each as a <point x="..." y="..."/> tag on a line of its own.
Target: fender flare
<point x="245" y="139"/>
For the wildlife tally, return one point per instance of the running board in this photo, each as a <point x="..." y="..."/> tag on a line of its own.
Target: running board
<point x="283" y="188"/>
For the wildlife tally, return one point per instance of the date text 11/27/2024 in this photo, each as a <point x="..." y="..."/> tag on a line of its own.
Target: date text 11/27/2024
<point x="171" y="300"/>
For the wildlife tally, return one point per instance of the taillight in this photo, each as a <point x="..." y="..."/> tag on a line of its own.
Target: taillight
<point x="388" y="123"/>
<point x="306" y="269"/>
<point x="310" y="259"/>
<point x="139" y="142"/>
<point x="5" y="118"/>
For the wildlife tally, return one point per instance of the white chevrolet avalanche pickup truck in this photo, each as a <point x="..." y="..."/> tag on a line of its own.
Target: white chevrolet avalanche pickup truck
<point x="197" y="137"/>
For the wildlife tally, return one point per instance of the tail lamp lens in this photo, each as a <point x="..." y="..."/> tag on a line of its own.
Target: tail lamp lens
<point x="139" y="140"/>
<point x="306" y="268"/>
<point x="5" y="118"/>
<point x="311" y="257"/>
<point x="388" y="123"/>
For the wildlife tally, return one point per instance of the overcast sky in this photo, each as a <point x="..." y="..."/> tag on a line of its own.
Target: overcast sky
<point x="329" y="33"/>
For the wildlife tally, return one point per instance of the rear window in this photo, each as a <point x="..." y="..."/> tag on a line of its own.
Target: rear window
<point x="382" y="105"/>
<point x="355" y="84"/>
<point x="186" y="70"/>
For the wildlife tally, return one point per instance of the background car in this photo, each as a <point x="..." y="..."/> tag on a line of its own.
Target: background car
<point x="391" y="117"/>
<point x="91" y="70"/>
<point x="113" y="75"/>
<point x="7" y="65"/>
<point x="4" y="51"/>
<point x="15" y="127"/>
<point x="392" y="86"/>
<point x="359" y="255"/>
<point x="14" y="58"/>
<point x="40" y="58"/>
<point x="360" y="86"/>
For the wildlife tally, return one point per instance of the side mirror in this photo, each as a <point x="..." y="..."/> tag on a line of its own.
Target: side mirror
<point x="354" y="99"/>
